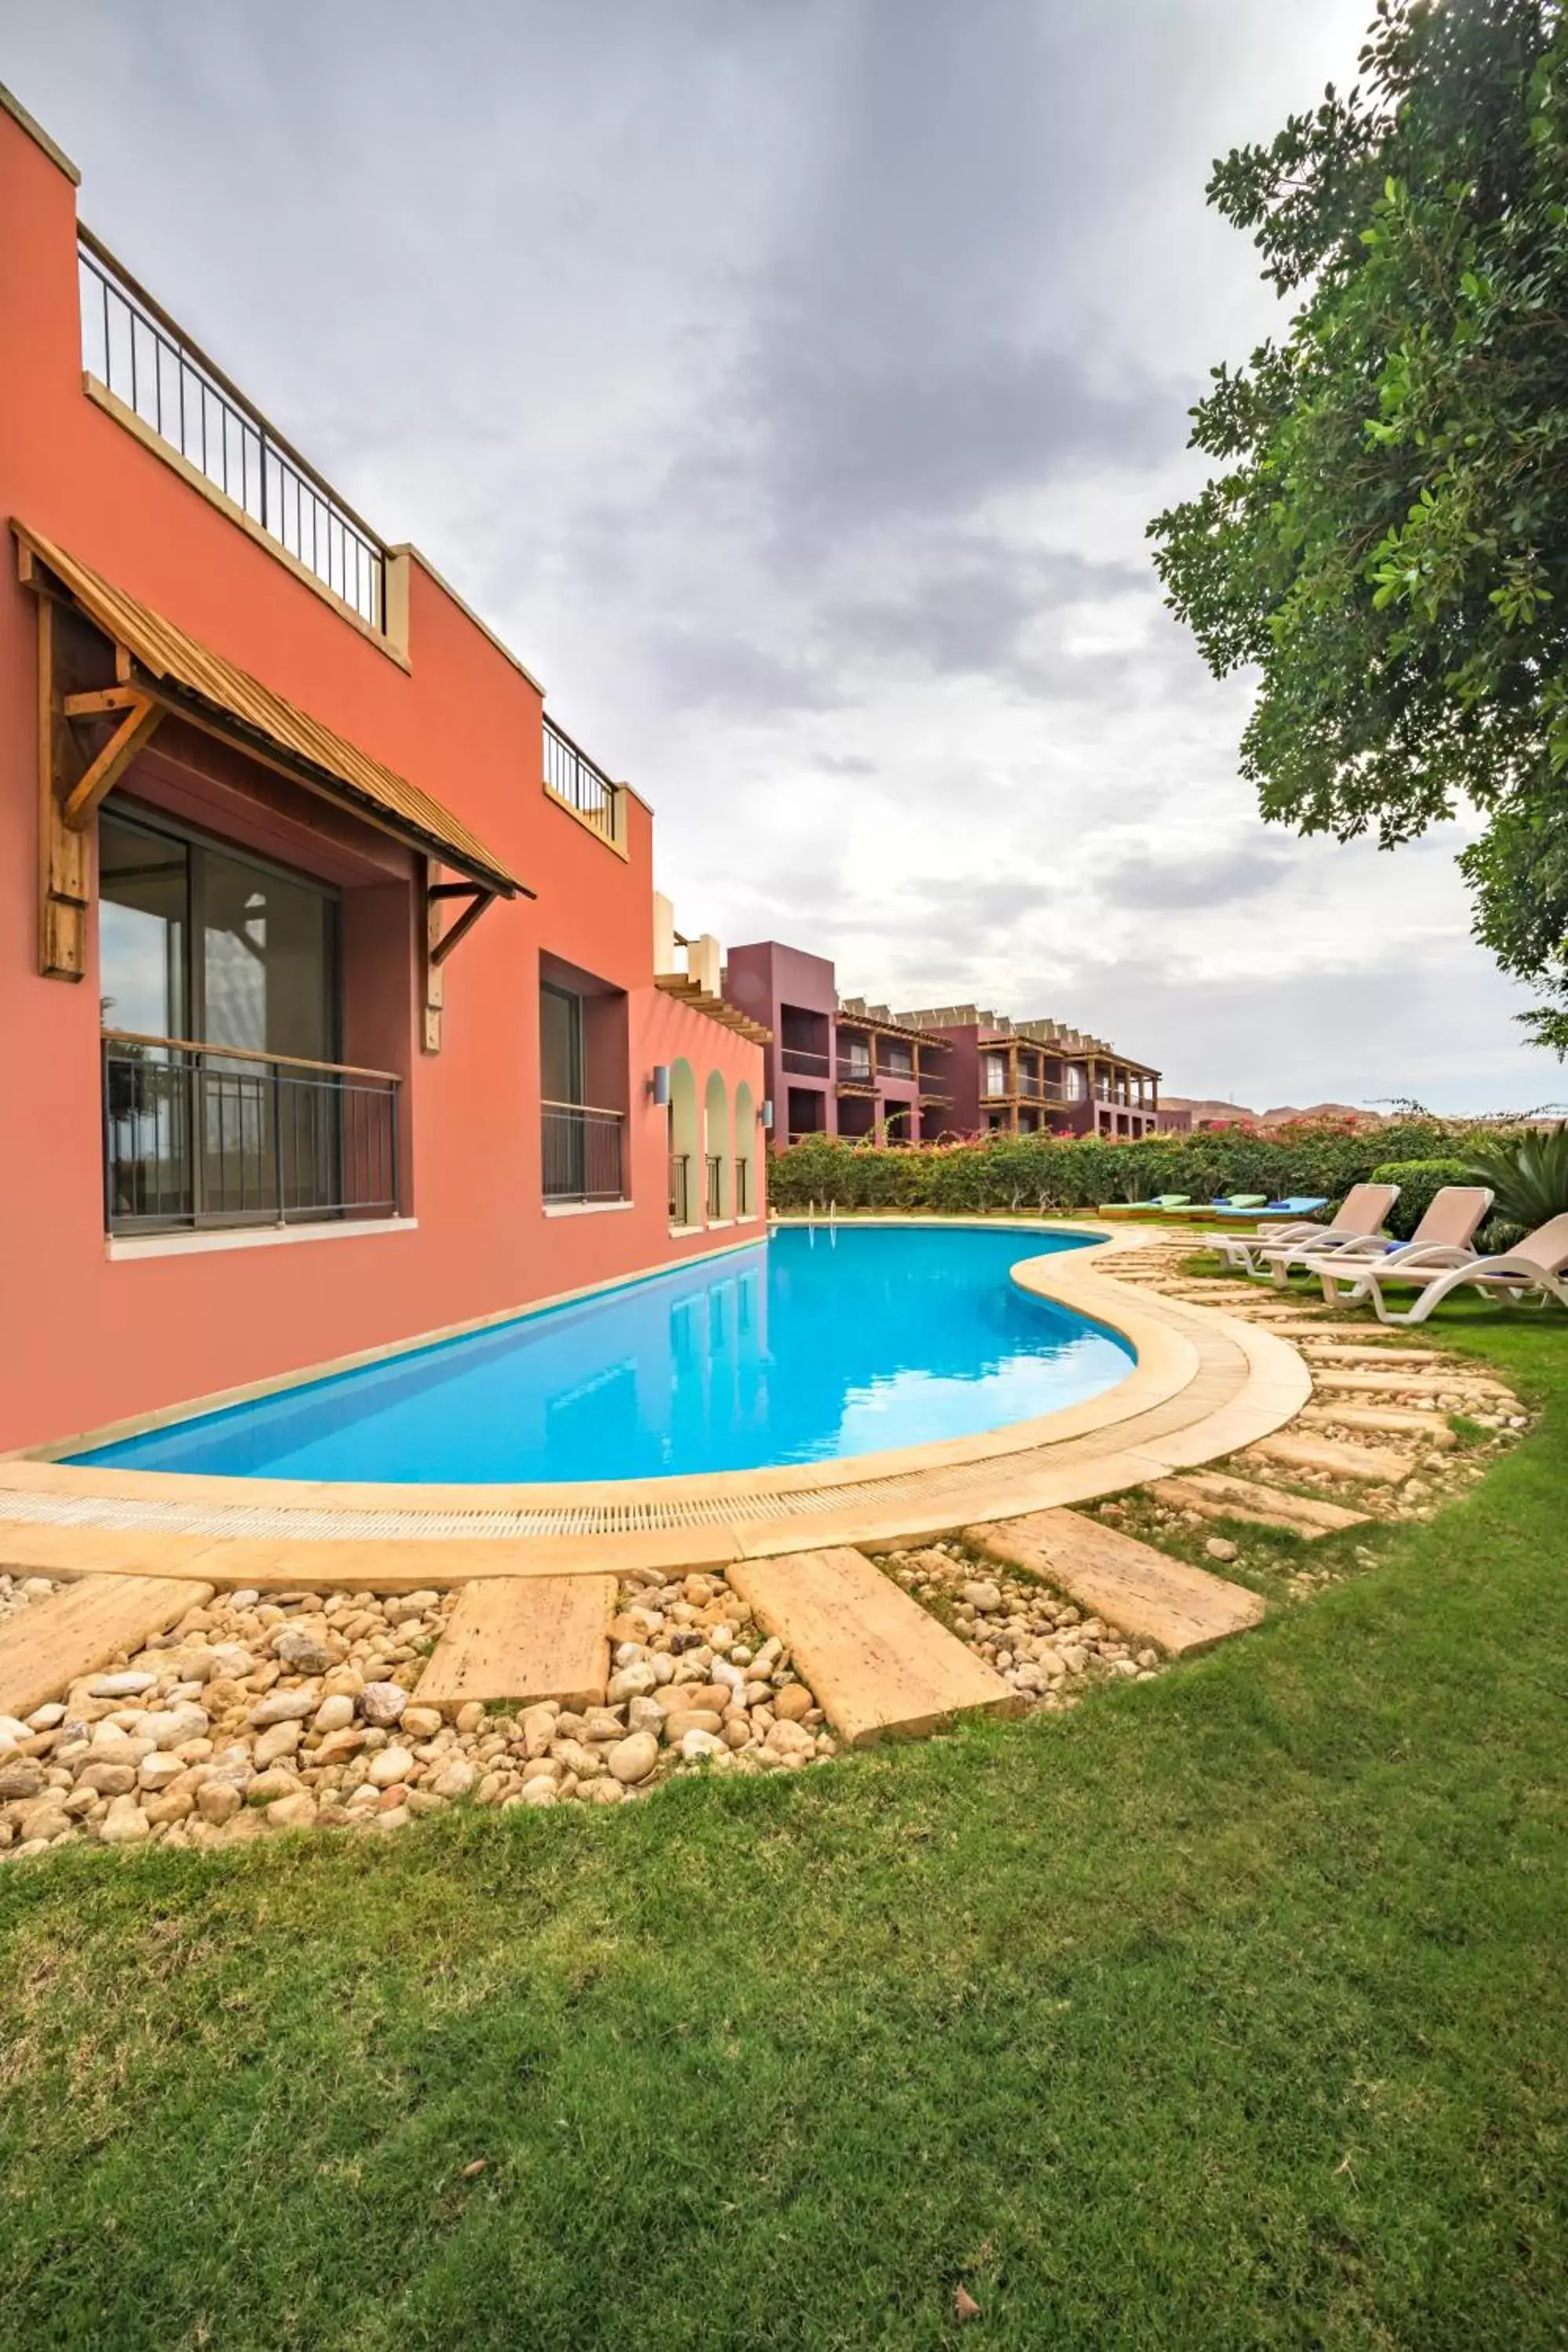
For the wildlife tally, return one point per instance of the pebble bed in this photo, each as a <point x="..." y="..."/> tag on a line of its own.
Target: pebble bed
<point x="1047" y="1648"/>
<point x="19" y="1592"/>
<point x="255" y="1716"/>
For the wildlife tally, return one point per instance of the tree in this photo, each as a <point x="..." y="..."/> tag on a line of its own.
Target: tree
<point x="1386" y="540"/>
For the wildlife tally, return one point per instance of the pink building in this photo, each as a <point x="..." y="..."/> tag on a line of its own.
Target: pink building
<point x="839" y="1066"/>
<point x="328" y="972"/>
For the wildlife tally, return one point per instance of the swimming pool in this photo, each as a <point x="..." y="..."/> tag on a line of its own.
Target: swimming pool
<point x="818" y="1344"/>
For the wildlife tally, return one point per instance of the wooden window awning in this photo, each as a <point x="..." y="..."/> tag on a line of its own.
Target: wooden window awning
<point x="160" y="668"/>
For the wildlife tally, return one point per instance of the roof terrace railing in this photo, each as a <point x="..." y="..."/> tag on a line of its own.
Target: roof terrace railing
<point x="137" y="351"/>
<point x="581" y="783"/>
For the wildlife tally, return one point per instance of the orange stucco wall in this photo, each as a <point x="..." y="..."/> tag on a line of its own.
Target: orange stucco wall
<point x="85" y="1339"/>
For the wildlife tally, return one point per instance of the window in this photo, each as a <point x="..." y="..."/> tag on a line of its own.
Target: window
<point x="219" y="1000"/>
<point x="560" y="1045"/>
<point x="583" y="1157"/>
<point x="995" y="1074"/>
<point x="196" y="942"/>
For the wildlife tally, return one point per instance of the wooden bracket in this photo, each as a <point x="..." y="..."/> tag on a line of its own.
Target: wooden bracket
<point x="135" y="729"/>
<point x="439" y="942"/>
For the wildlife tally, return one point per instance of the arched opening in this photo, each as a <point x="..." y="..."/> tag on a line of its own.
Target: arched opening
<point x="685" y="1148"/>
<point x="716" y="1186"/>
<point x="746" y="1198"/>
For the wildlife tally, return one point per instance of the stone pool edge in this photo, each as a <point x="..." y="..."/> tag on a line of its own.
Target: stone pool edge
<point x="1204" y="1384"/>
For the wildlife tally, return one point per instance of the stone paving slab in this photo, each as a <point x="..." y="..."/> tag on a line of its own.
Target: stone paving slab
<point x="1131" y="1585"/>
<point x="524" y="1638"/>
<point x="1382" y="1465"/>
<point x="52" y="1643"/>
<point x="1215" y="1495"/>
<point x="879" y="1663"/>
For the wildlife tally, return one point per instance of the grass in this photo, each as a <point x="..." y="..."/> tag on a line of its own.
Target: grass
<point x="1228" y="2011"/>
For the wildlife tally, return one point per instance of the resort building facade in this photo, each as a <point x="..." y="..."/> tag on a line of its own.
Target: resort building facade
<point x="839" y="1066"/>
<point x="338" y="1004"/>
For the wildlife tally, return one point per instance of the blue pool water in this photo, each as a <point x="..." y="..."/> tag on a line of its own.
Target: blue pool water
<point x="809" y="1347"/>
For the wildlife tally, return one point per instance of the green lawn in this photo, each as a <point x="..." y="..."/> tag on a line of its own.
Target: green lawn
<point x="1228" y="2011"/>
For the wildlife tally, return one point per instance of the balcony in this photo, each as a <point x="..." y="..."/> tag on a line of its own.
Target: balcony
<point x="856" y="1077"/>
<point x="200" y="1135"/>
<point x="800" y="1062"/>
<point x="585" y="1158"/>
<point x="135" y="350"/>
<point x="580" y="784"/>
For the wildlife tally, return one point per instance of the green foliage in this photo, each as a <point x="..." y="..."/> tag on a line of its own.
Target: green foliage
<point x="1037" y="1174"/>
<point x="1386" y="540"/>
<point x="1419" y="1182"/>
<point x="1226" y="2013"/>
<point x="1528" y="1172"/>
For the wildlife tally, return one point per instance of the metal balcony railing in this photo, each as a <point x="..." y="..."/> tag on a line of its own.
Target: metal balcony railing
<point x="855" y="1073"/>
<point x="679" y="1188"/>
<point x="204" y="1135"/>
<point x="742" y="1188"/>
<point x="715" y="1191"/>
<point x="802" y="1063"/>
<point x="134" y="349"/>
<point x="583" y="1157"/>
<point x="581" y="783"/>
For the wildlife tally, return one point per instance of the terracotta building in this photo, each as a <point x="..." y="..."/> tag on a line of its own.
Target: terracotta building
<point x="839" y="1065"/>
<point x="329" y="982"/>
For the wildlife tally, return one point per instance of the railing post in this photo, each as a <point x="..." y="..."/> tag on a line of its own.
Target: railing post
<point x="396" y="1159"/>
<point x="278" y="1137"/>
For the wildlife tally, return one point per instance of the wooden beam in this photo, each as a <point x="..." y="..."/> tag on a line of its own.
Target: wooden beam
<point x="98" y="705"/>
<point x="135" y="729"/>
<point x="435" y="982"/>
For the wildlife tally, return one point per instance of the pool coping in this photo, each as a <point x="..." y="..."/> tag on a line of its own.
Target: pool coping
<point x="1204" y="1385"/>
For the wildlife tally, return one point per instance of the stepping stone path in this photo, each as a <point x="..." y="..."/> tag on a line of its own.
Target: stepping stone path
<point x="524" y="1638"/>
<point x="1133" y="1586"/>
<point x="879" y="1663"/>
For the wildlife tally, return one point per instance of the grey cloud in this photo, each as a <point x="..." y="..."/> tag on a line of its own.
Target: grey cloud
<point x="1168" y="885"/>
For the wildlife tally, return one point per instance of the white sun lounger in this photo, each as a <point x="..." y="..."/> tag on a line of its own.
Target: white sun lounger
<point x="1442" y="1240"/>
<point x="1535" y="1267"/>
<point x="1360" y="1215"/>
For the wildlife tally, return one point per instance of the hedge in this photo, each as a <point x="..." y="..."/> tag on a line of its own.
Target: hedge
<point x="1419" y="1181"/>
<point x="1044" y="1173"/>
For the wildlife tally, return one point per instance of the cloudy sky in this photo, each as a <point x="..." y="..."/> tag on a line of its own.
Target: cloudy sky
<point x="790" y="382"/>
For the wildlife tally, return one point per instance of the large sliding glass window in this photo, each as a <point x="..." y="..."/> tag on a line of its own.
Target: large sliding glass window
<point x="200" y="949"/>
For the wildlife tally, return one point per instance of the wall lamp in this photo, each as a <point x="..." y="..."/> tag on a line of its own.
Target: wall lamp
<point x="659" y="1083"/>
<point x="767" y="1115"/>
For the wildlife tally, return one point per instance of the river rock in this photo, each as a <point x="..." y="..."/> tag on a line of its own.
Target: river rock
<point x="122" y="1686"/>
<point x="43" y="1718"/>
<point x="382" y="1703"/>
<point x="218" y="1801"/>
<point x="334" y="1714"/>
<point x="125" y="1823"/>
<point x="106" y="1779"/>
<point x="302" y="1653"/>
<point x="454" y="1780"/>
<point x="793" y="1703"/>
<point x="23" y="1776"/>
<point x="633" y="1759"/>
<point x="680" y="1720"/>
<point x="282" y="1707"/>
<point x="697" y="1743"/>
<point x="282" y="1739"/>
<point x="634" y="1681"/>
<point x="392" y="1765"/>
<point x="295" y="1812"/>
